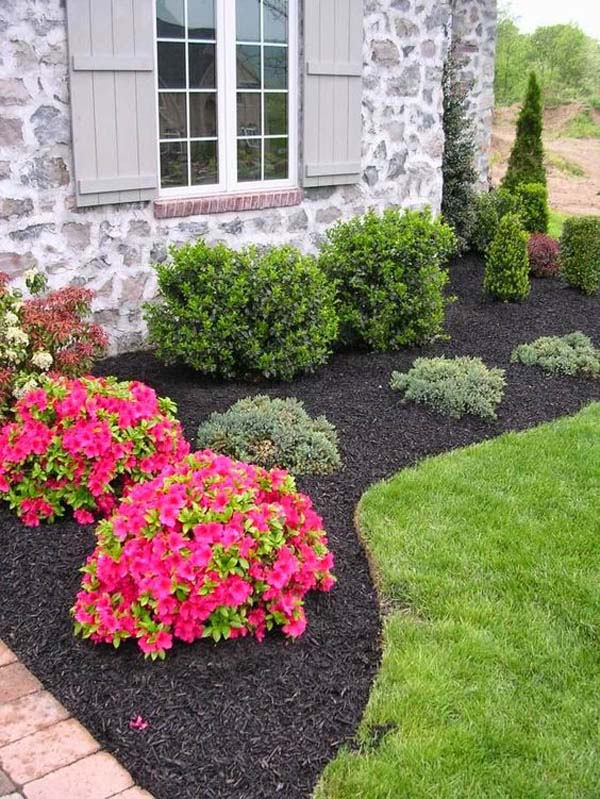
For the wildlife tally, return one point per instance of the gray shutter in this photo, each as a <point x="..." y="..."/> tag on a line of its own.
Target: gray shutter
<point x="333" y="37"/>
<point x="113" y="103"/>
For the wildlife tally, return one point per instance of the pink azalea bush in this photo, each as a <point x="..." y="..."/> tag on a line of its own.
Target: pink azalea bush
<point x="211" y="548"/>
<point x="81" y="443"/>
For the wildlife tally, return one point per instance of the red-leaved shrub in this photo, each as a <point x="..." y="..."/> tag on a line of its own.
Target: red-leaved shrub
<point x="212" y="547"/>
<point x="81" y="443"/>
<point x="56" y="323"/>
<point x="46" y="333"/>
<point x="543" y="252"/>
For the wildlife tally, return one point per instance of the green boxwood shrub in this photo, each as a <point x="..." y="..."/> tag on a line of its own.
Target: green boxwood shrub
<point x="243" y="313"/>
<point x="390" y="276"/>
<point x="533" y="200"/>
<point x="486" y="222"/>
<point x="490" y="208"/>
<point x="273" y="432"/>
<point x="580" y="252"/>
<point x="453" y="386"/>
<point x="506" y="263"/>
<point x="573" y="354"/>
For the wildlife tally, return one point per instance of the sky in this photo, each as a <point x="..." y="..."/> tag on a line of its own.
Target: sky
<point x="533" y="13"/>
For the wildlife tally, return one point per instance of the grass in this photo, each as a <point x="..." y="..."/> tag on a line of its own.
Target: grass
<point x="564" y="165"/>
<point x="581" y="126"/>
<point x="555" y="223"/>
<point x="489" y="569"/>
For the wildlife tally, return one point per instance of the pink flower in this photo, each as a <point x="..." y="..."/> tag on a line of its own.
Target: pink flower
<point x="138" y="723"/>
<point x="173" y="563"/>
<point x="83" y="516"/>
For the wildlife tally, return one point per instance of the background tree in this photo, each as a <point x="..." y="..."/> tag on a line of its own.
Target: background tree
<point x="526" y="162"/>
<point x="512" y="59"/>
<point x="458" y="168"/>
<point x="565" y="59"/>
<point x="558" y="55"/>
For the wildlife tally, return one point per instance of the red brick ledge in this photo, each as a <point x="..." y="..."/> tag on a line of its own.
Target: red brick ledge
<point x="169" y="209"/>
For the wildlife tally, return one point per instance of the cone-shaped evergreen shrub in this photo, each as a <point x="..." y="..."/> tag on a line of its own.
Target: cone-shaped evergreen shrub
<point x="526" y="163"/>
<point x="506" y="264"/>
<point x="533" y="199"/>
<point x="490" y="208"/>
<point x="580" y="253"/>
<point x="458" y="169"/>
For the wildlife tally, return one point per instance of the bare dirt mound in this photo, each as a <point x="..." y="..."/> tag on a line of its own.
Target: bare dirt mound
<point x="570" y="193"/>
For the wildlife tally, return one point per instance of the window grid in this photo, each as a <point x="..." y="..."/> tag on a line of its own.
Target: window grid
<point x="227" y="160"/>
<point x="261" y="44"/>
<point x="187" y="91"/>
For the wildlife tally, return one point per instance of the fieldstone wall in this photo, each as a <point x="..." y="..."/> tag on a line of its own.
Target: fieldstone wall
<point x="110" y="249"/>
<point x="474" y="25"/>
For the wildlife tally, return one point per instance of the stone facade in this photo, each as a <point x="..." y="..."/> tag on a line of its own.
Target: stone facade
<point x="110" y="249"/>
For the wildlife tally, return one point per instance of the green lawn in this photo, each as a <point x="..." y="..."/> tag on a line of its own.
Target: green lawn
<point x="489" y="572"/>
<point x="556" y="222"/>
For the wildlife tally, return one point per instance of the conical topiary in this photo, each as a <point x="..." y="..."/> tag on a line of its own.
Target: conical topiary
<point x="526" y="163"/>
<point x="506" y="263"/>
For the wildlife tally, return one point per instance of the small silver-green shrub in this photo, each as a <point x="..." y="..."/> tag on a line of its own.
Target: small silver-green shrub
<point x="453" y="386"/>
<point x="573" y="354"/>
<point x="273" y="432"/>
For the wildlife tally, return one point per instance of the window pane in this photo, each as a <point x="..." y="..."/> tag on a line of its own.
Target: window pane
<point x="204" y="163"/>
<point x="202" y="66"/>
<point x="249" y="156"/>
<point x="275" y="67"/>
<point x="275" y="114"/>
<point x="247" y="20"/>
<point x="170" y="19"/>
<point x="276" y="159"/>
<point x="173" y="164"/>
<point x="248" y="114"/>
<point x="171" y="65"/>
<point x="201" y="19"/>
<point x="171" y="107"/>
<point x="248" y="66"/>
<point x="203" y="114"/>
<point x="275" y="21"/>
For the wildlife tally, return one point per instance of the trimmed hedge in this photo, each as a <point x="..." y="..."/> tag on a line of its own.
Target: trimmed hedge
<point x="243" y="313"/>
<point x="506" y="265"/>
<point x="533" y="201"/>
<point x="390" y="275"/>
<point x="580" y="253"/>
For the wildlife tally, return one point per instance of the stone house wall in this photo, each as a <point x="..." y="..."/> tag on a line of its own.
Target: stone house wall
<point x="110" y="249"/>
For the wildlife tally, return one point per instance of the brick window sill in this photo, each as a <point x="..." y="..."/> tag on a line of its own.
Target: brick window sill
<point x="255" y="201"/>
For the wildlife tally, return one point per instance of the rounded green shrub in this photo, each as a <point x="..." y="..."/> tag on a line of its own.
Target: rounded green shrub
<point x="573" y="354"/>
<point x="452" y="386"/>
<point x="390" y="276"/>
<point x="580" y="252"/>
<point x="242" y="313"/>
<point x="533" y="200"/>
<point x="507" y="264"/>
<point x="273" y="432"/>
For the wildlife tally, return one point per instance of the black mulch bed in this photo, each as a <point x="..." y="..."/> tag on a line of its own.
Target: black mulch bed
<point x="243" y="720"/>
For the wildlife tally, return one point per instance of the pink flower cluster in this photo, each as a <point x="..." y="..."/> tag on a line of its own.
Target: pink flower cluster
<point x="81" y="443"/>
<point x="210" y="548"/>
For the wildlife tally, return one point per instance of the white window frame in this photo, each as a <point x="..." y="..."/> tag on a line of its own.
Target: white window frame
<point x="226" y="87"/>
